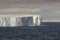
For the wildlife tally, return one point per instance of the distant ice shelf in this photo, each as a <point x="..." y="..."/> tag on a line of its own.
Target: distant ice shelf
<point x="51" y="20"/>
<point x="20" y="20"/>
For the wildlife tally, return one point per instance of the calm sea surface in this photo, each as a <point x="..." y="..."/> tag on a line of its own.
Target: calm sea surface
<point x="48" y="31"/>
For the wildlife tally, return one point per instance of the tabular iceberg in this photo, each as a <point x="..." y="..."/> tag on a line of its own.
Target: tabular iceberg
<point x="20" y="20"/>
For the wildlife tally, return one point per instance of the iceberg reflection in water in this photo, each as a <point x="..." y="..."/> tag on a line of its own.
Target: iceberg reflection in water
<point x="20" y="21"/>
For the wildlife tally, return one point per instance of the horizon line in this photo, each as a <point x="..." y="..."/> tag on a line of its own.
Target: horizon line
<point x="51" y="20"/>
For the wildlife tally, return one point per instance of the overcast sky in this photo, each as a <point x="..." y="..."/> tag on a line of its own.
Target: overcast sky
<point x="48" y="9"/>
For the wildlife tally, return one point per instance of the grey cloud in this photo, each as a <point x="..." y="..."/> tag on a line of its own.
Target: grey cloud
<point x="48" y="7"/>
<point x="27" y="1"/>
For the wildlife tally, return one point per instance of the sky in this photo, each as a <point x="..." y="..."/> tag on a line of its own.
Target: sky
<point x="48" y="9"/>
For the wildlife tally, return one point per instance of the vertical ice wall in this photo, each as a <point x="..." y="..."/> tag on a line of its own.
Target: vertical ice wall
<point x="0" y="21"/>
<point x="36" y="20"/>
<point x="20" y="21"/>
<point x="6" y="21"/>
<point x="13" y="21"/>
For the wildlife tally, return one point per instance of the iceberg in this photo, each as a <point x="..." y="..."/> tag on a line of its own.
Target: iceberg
<point x="20" y="20"/>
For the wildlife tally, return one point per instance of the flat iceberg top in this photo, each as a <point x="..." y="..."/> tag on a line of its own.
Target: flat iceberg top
<point x="18" y="15"/>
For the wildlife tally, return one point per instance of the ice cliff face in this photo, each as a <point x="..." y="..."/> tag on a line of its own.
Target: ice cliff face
<point x="20" y="21"/>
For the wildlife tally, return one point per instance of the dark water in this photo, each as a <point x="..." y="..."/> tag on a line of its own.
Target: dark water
<point x="50" y="31"/>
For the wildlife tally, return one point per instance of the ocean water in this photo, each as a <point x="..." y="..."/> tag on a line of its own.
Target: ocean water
<point x="48" y="31"/>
